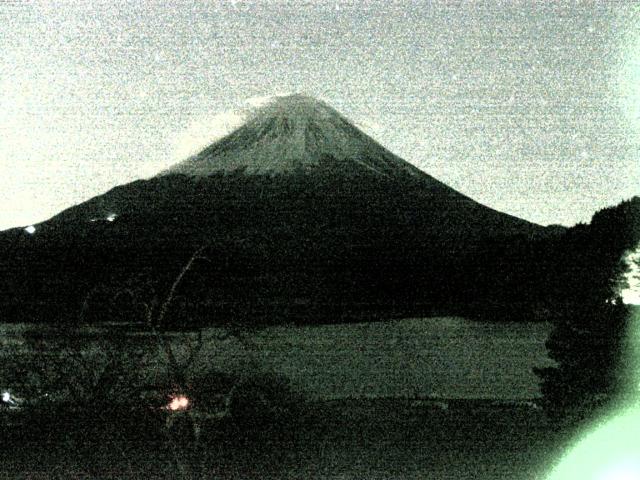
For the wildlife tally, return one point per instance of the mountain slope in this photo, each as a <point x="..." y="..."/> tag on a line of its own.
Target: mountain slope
<point x="292" y="134"/>
<point x="302" y="215"/>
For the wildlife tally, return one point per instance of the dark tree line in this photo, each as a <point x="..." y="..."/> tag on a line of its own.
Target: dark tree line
<point x="590" y="340"/>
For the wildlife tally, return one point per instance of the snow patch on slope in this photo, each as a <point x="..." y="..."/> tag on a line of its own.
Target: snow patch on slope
<point x="292" y="133"/>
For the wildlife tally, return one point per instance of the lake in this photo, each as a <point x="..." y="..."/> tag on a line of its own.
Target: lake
<point x="439" y="357"/>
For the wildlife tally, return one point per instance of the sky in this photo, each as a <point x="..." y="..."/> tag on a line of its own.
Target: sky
<point x="531" y="108"/>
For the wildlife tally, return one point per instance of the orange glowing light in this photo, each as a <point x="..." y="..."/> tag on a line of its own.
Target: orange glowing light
<point x="179" y="403"/>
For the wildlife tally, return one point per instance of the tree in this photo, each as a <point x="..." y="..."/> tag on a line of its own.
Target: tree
<point x="201" y="399"/>
<point x="591" y="322"/>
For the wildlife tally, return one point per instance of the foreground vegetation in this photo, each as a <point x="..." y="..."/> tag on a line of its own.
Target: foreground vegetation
<point x="355" y="439"/>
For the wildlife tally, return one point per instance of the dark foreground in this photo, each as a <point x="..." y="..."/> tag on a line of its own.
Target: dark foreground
<point x="377" y="439"/>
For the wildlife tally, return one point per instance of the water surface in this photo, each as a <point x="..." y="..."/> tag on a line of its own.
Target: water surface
<point x="446" y="357"/>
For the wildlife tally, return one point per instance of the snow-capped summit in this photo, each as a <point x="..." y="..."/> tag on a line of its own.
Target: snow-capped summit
<point x="294" y="133"/>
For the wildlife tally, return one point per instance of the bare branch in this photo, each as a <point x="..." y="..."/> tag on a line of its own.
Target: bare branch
<point x="176" y="283"/>
<point x="176" y="370"/>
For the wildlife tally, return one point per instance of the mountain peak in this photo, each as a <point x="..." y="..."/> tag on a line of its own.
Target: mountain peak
<point x="295" y="102"/>
<point x="294" y="133"/>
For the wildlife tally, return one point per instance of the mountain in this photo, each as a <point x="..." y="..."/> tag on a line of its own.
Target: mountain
<point x="301" y="214"/>
<point x="296" y="134"/>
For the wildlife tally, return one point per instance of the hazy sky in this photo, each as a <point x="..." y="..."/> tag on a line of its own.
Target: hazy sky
<point x="528" y="108"/>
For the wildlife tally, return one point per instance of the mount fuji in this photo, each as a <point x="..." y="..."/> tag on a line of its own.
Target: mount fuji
<point x="302" y="216"/>
<point x="295" y="133"/>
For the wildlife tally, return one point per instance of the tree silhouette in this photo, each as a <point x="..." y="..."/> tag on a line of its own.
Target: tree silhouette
<point x="591" y="322"/>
